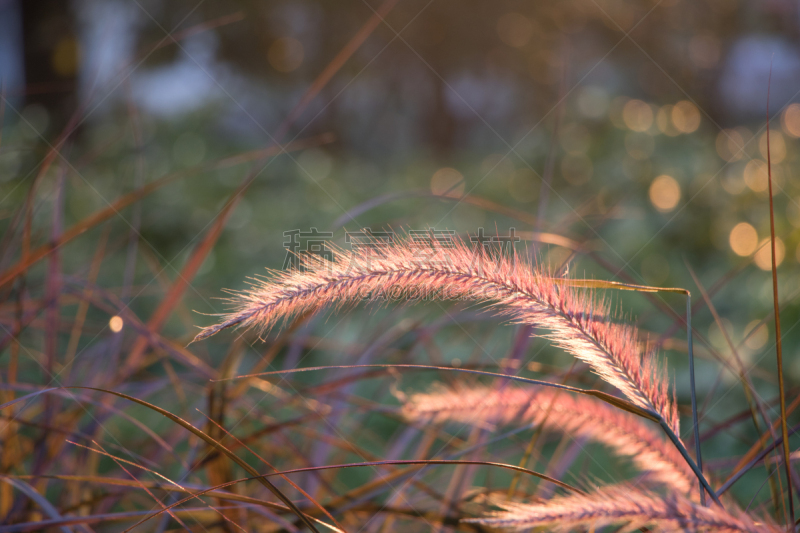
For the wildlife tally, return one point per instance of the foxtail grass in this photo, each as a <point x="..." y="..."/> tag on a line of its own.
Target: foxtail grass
<point x="578" y="416"/>
<point x="513" y="287"/>
<point x="622" y="504"/>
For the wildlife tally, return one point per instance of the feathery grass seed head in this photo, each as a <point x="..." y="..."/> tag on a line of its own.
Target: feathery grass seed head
<point x="512" y="286"/>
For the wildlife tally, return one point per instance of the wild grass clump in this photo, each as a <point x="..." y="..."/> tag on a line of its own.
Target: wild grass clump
<point x="577" y="322"/>
<point x="510" y="286"/>
<point x="578" y="416"/>
<point x="112" y="419"/>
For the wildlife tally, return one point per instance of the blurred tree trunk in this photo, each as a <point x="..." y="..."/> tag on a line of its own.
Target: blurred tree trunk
<point x="51" y="57"/>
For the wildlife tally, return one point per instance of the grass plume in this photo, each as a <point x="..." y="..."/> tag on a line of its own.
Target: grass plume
<point x="622" y="504"/>
<point x="578" y="416"/>
<point x="512" y="286"/>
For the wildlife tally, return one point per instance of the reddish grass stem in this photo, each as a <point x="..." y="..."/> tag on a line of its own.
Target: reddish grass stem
<point x="778" y="345"/>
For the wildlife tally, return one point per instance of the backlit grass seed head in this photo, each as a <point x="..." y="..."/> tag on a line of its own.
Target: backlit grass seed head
<point x="512" y="286"/>
<point x="578" y="416"/>
<point x="622" y="504"/>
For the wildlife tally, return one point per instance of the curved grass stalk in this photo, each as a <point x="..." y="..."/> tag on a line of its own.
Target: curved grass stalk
<point x="579" y="416"/>
<point x="512" y="286"/>
<point x="622" y="504"/>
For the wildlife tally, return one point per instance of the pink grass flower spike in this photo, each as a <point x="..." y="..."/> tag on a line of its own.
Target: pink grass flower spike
<point x="513" y="287"/>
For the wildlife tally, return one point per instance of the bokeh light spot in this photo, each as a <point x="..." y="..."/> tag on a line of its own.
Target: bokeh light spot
<point x="743" y="239"/>
<point x="777" y="146"/>
<point x="665" y="193"/>
<point x="115" y="324"/>
<point x="447" y="182"/>
<point x="716" y="334"/>
<point x="755" y="175"/>
<point x="791" y="120"/>
<point x="637" y="115"/>
<point x="763" y="257"/>
<point x="732" y="180"/>
<point x="731" y="144"/>
<point x="685" y="116"/>
<point x="756" y="335"/>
